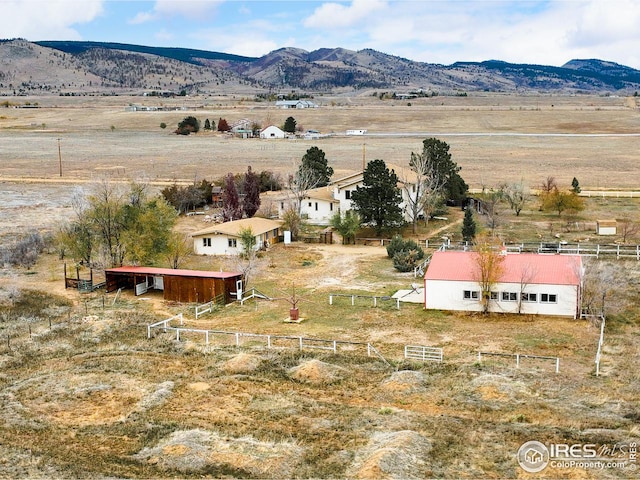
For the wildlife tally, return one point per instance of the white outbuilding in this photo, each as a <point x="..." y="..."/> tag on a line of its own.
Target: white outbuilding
<point x="272" y="132"/>
<point x="529" y="283"/>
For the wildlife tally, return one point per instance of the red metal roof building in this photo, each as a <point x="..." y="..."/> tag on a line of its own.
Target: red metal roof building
<point x="188" y="286"/>
<point x="530" y="283"/>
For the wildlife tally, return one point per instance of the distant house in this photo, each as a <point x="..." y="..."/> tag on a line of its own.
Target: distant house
<point x="530" y="284"/>
<point x="189" y="286"/>
<point x="217" y="197"/>
<point x="224" y="238"/>
<point x="355" y="132"/>
<point x="272" y="132"/>
<point x="242" y="128"/>
<point x="606" y="227"/>
<point x="295" y="104"/>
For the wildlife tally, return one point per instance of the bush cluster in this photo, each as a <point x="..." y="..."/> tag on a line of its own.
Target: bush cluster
<point x="23" y="252"/>
<point x="406" y="254"/>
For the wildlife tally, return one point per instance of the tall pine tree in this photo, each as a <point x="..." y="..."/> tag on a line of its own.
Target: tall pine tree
<point x="378" y="200"/>
<point x="468" y="226"/>
<point x="315" y="161"/>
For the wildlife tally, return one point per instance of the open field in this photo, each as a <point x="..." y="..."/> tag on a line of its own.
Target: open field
<point x="493" y="138"/>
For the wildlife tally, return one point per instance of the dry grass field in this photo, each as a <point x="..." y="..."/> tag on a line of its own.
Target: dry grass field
<point x="493" y="138"/>
<point x="85" y="394"/>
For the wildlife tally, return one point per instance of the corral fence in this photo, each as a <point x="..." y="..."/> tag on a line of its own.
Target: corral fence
<point x="520" y="356"/>
<point x="562" y="248"/>
<point x="208" y="307"/>
<point x="373" y="298"/>
<point x="255" y="293"/>
<point x="423" y="353"/>
<point x="238" y="339"/>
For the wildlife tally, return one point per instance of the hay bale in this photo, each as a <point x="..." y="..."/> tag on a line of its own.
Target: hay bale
<point x="317" y="372"/>
<point x="242" y="363"/>
<point x="191" y="451"/>
<point x="392" y="455"/>
<point x="404" y="381"/>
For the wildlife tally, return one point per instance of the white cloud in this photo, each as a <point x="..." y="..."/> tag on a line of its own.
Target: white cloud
<point x="46" y="20"/>
<point x="194" y="10"/>
<point x="337" y="15"/>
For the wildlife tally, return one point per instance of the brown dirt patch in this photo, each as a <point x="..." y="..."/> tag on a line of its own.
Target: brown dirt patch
<point x="317" y="372"/>
<point x="242" y="363"/>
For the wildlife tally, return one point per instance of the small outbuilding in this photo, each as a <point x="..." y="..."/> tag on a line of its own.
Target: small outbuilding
<point x="606" y="227"/>
<point x="186" y="286"/>
<point x="529" y="283"/>
<point x="224" y="238"/>
<point x="272" y="132"/>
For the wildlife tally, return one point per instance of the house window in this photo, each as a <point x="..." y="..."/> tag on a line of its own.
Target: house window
<point x="493" y="295"/>
<point x="316" y="206"/>
<point x="233" y="243"/>
<point x="331" y="207"/>
<point x="529" y="297"/>
<point x="309" y="204"/>
<point x="347" y="194"/>
<point x="206" y="242"/>
<point x="548" y="298"/>
<point x="470" y="294"/>
<point x="281" y="205"/>
<point x="509" y="297"/>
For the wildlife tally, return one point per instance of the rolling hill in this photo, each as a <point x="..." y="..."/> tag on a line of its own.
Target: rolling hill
<point x="81" y="68"/>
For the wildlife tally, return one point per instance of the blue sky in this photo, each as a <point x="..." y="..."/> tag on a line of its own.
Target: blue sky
<point x="549" y="32"/>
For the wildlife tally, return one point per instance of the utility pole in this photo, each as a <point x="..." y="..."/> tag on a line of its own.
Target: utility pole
<point x="59" y="158"/>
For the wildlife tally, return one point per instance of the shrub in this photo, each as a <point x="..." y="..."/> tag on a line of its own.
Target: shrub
<point x="407" y="260"/>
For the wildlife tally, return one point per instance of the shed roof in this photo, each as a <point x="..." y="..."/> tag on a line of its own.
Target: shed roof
<point x="530" y="268"/>
<point x="257" y="225"/>
<point x="174" y="272"/>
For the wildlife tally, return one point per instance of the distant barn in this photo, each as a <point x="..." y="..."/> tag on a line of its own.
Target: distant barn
<point x="187" y="286"/>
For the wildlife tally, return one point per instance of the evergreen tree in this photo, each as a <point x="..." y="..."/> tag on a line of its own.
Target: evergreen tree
<point x="378" y="200"/>
<point x="207" y="124"/>
<point x="315" y="161"/>
<point x="468" y="226"/>
<point x="575" y="186"/>
<point x="232" y="209"/>
<point x="188" y="125"/>
<point x="290" y="125"/>
<point x="251" y="188"/>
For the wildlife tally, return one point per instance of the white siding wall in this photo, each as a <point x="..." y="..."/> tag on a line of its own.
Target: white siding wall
<point x="449" y="295"/>
<point x="219" y="246"/>
<point x="323" y="214"/>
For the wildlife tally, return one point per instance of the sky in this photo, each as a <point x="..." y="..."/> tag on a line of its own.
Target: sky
<point x="549" y="32"/>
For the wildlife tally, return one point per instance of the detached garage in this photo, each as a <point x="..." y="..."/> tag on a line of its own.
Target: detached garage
<point x="186" y="286"/>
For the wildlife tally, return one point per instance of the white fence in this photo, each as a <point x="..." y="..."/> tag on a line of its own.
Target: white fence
<point x="600" y="342"/>
<point x="270" y="341"/>
<point x="423" y="353"/>
<point x="519" y="356"/>
<point x="204" y="308"/>
<point x="374" y="298"/>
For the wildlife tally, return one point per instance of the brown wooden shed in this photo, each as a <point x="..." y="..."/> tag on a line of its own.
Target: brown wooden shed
<point x="187" y="286"/>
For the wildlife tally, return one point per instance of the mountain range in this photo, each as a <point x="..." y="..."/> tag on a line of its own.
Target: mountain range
<point x="80" y="68"/>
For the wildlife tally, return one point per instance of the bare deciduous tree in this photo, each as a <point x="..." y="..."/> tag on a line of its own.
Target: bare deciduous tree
<point x="424" y="190"/>
<point x="488" y="268"/>
<point x="516" y="194"/>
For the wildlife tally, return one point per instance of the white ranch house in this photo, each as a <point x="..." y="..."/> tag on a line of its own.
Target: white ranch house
<point x="530" y="283"/>
<point x="320" y="204"/>
<point x="224" y="238"/>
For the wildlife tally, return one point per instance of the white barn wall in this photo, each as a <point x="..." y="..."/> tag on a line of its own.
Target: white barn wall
<point x="448" y="295"/>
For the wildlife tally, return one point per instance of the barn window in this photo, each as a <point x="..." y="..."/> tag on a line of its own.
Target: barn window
<point x="471" y="295"/>
<point x="509" y="297"/>
<point x="529" y="297"/>
<point x="206" y="242"/>
<point x="233" y="243"/>
<point x="548" y="298"/>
